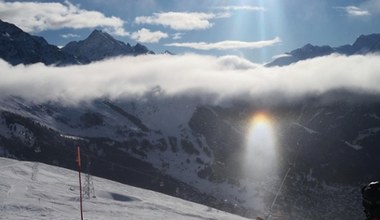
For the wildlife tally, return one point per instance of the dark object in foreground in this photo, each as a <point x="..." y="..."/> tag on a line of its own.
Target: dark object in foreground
<point x="371" y="200"/>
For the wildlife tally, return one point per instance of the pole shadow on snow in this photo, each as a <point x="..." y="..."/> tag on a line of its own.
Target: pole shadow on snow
<point x="117" y="197"/>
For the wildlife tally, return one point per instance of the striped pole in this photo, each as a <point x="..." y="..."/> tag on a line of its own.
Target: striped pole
<point x="80" y="180"/>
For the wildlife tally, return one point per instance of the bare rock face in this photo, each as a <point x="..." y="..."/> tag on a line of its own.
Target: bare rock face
<point x="19" y="47"/>
<point x="100" y="45"/>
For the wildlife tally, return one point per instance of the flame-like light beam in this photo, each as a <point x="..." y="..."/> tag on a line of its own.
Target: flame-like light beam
<point x="261" y="154"/>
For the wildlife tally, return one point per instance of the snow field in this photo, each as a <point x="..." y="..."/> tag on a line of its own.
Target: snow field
<point x="31" y="190"/>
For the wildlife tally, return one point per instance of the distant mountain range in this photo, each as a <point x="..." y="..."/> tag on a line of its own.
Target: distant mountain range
<point x="363" y="45"/>
<point x="19" y="47"/>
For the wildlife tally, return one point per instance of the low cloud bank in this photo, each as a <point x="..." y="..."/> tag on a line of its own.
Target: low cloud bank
<point x="222" y="78"/>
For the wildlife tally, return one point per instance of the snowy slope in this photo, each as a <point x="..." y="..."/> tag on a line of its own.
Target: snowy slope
<point x="167" y="120"/>
<point x="183" y="142"/>
<point x="30" y="190"/>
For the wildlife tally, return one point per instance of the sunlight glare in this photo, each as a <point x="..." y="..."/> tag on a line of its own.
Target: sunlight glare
<point x="260" y="154"/>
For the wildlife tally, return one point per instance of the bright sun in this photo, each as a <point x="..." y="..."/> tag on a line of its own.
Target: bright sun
<point x="261" y="155"/>
<point x="261" y="119"/>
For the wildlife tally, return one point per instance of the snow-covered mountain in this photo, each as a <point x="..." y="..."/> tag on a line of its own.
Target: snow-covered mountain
<point x="363" y="45"/>
<point x="32" y="190"/>
<point x="196" y="151"/>
<point x="100" y="45"/>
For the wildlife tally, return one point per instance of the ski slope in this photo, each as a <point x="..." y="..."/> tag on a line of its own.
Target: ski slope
<point x="30" y="190"/>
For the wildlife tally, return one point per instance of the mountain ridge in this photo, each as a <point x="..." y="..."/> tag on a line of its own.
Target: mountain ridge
<point x="202" y="151"/>
<point x="100" y="45"/>
<point x="19" y="47"/>
<point x="364" y="44"/>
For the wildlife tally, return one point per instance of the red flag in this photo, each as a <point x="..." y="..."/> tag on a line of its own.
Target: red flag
<point x="77" y="160"/>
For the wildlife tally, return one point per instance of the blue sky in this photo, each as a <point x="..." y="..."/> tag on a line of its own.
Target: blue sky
<point x="253" y="29"/>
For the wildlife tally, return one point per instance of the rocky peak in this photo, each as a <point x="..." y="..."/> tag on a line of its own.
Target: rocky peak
<point x="19" y="47"/>
<point x="140" y="49"/>
<point x="100" y="45"/>
<point x="102" y="37"/>
<point x="367" y="43"/>
<point x="310" y="51"/>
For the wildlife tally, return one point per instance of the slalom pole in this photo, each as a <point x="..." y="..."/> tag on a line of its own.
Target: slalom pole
<point x="80" y="181"/>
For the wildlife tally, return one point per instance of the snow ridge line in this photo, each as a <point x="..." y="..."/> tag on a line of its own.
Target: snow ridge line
<point x="13" y="164"/>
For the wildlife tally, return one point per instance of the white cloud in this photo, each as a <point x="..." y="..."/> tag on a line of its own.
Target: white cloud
<point x="366" y="8"/>
<point x="40" y="16"/>
<point x="226" y="45"/>
<point x="281" y="55"/>
<point x="355" y="11"/>
<point x="241" y="8"/>
<point x="181" y="20"/>
<point x="146" y="36"/>
<point x="192" y="75"/>
<point x="70" y="35"/>
<point x="236" y="63"/>
<point x="177" y="36"/>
